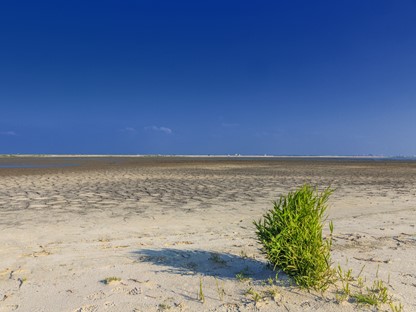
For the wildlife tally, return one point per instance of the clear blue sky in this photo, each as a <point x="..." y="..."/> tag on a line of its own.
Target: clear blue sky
<point x="208" y="77"/>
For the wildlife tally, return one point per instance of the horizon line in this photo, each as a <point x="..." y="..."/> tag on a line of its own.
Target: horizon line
<point x="369" y="156"/>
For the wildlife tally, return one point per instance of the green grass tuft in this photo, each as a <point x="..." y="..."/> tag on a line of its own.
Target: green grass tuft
<point x="111" y="279"/>
<point x="375" y="295"/>
<point x="291" y="237"/>
<point x="201" y="296"/>
<point x="254" y="294"/>
<point x="365" y="299"/>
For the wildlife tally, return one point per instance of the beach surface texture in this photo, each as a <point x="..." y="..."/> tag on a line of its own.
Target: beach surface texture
<point x="177" y="233"/>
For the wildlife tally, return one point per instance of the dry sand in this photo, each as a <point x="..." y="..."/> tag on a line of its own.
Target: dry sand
<point x="164" y="225"/>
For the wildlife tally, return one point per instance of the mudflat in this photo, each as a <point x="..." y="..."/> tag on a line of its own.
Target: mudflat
<point x="159" y="233"/>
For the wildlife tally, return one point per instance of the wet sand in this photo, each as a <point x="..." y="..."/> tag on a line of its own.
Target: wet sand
<point x="162" y="225"/>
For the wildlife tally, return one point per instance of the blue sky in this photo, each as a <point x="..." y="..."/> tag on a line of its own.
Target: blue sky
<point x="208" y="77"/>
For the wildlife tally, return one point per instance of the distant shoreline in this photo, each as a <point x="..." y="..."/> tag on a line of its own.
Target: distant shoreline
<point x="383" y="157"/>
<point x="201" y="155"/>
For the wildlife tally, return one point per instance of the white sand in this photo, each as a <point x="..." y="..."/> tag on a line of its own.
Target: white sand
<point x="162" y="229"/>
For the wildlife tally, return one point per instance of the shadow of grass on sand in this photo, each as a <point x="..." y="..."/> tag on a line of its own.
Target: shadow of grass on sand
<point x="191" y="262"/>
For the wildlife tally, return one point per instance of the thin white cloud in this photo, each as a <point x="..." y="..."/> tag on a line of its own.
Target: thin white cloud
<point x="166" y="130"/>
<point x="10" y="133"/>
<point x="128" y="129"/>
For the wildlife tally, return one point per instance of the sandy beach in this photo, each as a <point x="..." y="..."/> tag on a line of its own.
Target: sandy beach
<point x="147" y="233"/>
